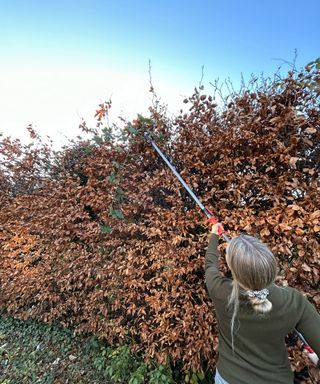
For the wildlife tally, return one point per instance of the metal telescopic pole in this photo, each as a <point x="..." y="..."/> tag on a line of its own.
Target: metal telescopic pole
<point x="185" y="185"/>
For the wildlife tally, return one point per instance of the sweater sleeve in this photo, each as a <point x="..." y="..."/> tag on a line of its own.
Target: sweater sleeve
<point x="217" y="285"/>
<point x="309" y="325"/>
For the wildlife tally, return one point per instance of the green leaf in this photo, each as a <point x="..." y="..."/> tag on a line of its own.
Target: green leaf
<point x="98" y="139"/>
<point x="132" y="129"/>
<point x="201" y="375"/>
<point x="119" y="214"/>
<point x="107" y="134"/>
<point x="105" y="229"/>
<point x="119" y="195"/>
<point x="113" y="177"/>
<point x="116" y="164"/>
<point x="144" y="120"/>
<point x="194" y="379"/>
<point x="116" y="213"/>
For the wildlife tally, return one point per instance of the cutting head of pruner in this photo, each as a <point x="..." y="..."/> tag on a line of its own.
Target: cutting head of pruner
<point x="147" y="137"/>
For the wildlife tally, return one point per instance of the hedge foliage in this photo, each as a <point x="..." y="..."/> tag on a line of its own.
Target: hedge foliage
<point x="102" y="237"/>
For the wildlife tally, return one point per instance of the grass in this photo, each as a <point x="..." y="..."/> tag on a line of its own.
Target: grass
<point x="35" y="353"/>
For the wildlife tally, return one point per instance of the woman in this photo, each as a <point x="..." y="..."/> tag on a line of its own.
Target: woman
<point x="254" y="315"/>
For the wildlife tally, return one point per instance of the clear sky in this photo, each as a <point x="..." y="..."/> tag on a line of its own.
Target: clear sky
<point x="60" y="58"/>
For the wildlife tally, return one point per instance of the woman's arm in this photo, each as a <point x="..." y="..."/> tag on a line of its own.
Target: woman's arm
<point x="216" y="283"/>
<point x="309" y="326"/>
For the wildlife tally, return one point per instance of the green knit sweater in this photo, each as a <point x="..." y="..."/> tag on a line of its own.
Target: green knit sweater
<point x="260" y="354"/>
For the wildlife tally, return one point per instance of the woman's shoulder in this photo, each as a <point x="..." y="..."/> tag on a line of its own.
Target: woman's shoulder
<point x="288" y="293"/>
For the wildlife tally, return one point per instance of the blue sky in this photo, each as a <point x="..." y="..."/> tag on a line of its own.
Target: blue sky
<point x="59" y="59"/>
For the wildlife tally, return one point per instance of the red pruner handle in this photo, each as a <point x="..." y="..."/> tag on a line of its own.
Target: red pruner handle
<point x="213" y="220"/>
<point x="307" y="348"/>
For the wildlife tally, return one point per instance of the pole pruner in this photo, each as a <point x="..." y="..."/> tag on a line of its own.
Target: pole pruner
<point x="211" y="218"/>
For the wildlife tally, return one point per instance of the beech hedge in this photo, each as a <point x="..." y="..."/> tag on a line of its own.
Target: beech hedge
<point x="101" y="237"/>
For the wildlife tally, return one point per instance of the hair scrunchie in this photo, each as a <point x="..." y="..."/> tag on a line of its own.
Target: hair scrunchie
<point x="262" y="295"/>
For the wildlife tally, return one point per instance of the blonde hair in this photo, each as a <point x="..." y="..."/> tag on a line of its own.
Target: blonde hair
<point x="253" y="268"/>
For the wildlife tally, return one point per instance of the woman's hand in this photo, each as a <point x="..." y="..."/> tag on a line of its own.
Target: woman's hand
<point x="217" y="229"/>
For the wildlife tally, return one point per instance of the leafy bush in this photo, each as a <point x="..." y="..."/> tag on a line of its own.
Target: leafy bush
<point x="108" y="242"/>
